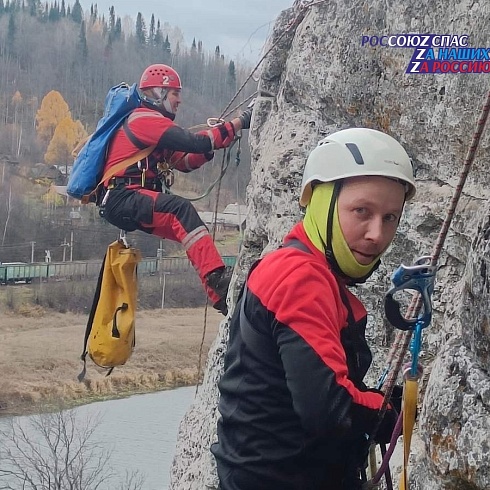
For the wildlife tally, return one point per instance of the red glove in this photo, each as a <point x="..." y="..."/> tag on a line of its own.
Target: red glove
<point x="221" y="136"/>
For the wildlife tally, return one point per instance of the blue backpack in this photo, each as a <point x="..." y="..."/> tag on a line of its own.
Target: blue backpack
<point x="90" y="155"/>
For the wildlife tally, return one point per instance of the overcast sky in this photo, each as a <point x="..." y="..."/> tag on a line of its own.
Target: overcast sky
<point x="239" y="27"/>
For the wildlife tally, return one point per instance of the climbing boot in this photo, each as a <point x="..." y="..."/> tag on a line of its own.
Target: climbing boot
<point x="219" y="281"/>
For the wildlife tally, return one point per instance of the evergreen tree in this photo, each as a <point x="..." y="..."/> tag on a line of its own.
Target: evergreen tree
<point x="11" y="6"/>
<point x="14" y="5"/>
<point x="34" y="7"/>
<point x="77" y="13"/>
<point x="44" y="14"/>
<point x="82" y="41"/>
<point x="140" y="29"/>
<point x="63" y="8"/>
<point x="54" y="13"/>
<point x="167" y="52"/>
<point x="158" y="36"/>
<point x="152" y="33"/>
<point x="112" y="19"/>
<point x="93" y="13"/>
<point x="231" y="76"/>
<point x="118" y="30"/>
<point x="12" y="29"/>
<point x="112" y="26"/>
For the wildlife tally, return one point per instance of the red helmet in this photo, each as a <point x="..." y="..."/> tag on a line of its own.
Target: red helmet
<point x="160" y="76"/>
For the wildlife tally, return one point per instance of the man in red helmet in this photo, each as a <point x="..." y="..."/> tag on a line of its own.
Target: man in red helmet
<point x="134" y="198"/>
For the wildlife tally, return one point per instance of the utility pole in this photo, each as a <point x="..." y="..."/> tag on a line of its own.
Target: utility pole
<point x="163" y="283"/>
<point x="32" y="251"/>
<point x="71" y="246"/>
<point x="163" y="274"/>
<point x="64" y="245"/>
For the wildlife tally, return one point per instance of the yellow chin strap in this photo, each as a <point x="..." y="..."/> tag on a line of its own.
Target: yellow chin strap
<point x="315" y="223"/>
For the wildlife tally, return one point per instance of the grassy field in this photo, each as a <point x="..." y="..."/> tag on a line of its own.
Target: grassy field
<point x="40" y="357"/>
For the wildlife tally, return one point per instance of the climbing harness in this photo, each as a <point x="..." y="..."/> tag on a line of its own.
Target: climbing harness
<point x="403" y="337"/>
<point x="165" y="173"/>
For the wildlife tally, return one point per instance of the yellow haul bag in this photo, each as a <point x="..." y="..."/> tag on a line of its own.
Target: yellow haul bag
<point x="110" y="333"/>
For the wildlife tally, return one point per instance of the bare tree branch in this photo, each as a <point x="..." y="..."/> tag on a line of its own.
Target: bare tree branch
<point x="58" y="451"/>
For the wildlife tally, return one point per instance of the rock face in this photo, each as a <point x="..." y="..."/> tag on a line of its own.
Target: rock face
<point x="319" y="79"/>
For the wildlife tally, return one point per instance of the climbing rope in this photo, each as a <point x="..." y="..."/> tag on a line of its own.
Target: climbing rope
<point x="225" y="113"/>
<point x="226" y="157"/>
<point x="294" y="23"/>
<point x="223" y="169"/>
<point x="212" y="122"/>
<point x="403" y="337"/>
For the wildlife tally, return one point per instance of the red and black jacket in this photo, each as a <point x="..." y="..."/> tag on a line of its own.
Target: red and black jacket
<point x="183" y="150"/>
<point x="294" y="408"/>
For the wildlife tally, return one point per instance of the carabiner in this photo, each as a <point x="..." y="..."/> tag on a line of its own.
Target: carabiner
<point x="123" y="239"/>
<point x="214" y="122"/>
<point x="419" y="277"/>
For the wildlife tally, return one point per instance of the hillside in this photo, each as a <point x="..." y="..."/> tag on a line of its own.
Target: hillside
<point x="63" y="59"/>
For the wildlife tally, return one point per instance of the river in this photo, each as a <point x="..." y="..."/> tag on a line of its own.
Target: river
<point x="140" y="431"/>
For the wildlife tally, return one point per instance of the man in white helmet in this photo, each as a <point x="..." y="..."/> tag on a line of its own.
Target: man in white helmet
<point x="294" y="407"/>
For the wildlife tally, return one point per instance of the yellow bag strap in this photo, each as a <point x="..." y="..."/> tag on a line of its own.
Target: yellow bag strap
<point x="410" y="392"/>
<point x="119" y="167"/>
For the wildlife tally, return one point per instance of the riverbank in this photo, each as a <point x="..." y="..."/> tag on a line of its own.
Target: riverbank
<point x="40" y="358"/>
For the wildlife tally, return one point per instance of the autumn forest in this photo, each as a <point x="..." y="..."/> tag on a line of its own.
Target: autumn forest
<point x="57" y="62"/>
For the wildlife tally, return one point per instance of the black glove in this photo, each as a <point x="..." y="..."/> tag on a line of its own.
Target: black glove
<point x="387" y="425"/>
<point x="245" y="118"/>
<point x="396" y="398"/>
<point x="385" y="429"/>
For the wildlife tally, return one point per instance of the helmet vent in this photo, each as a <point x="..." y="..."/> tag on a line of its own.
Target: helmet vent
<point x="353" y="148"/>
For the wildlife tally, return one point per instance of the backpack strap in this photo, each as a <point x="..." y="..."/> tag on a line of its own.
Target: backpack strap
<point x="90" y="321"/>
<point x="111" y="172"/>
<point x="295" y="243"/>
<point x="131" y="136"/>
<point x="252" y="338"/>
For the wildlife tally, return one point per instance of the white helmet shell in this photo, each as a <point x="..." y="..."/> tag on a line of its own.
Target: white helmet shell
<point x="356" y="152"/>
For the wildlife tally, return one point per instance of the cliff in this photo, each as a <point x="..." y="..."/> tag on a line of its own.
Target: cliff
<point x="319" y="79"/>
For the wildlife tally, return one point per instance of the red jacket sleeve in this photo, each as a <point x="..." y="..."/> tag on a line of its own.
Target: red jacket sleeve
<point x="187" y="162"/>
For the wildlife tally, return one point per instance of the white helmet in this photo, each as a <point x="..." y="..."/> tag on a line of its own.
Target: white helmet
<point x="356" y="152"/>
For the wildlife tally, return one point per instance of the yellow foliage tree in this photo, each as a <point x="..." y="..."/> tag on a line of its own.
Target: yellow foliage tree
<point x="52" y="111"/>
<point x="66" y="135"/>
<point x="16" y="98"/>
<point x="53" y="198"/>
